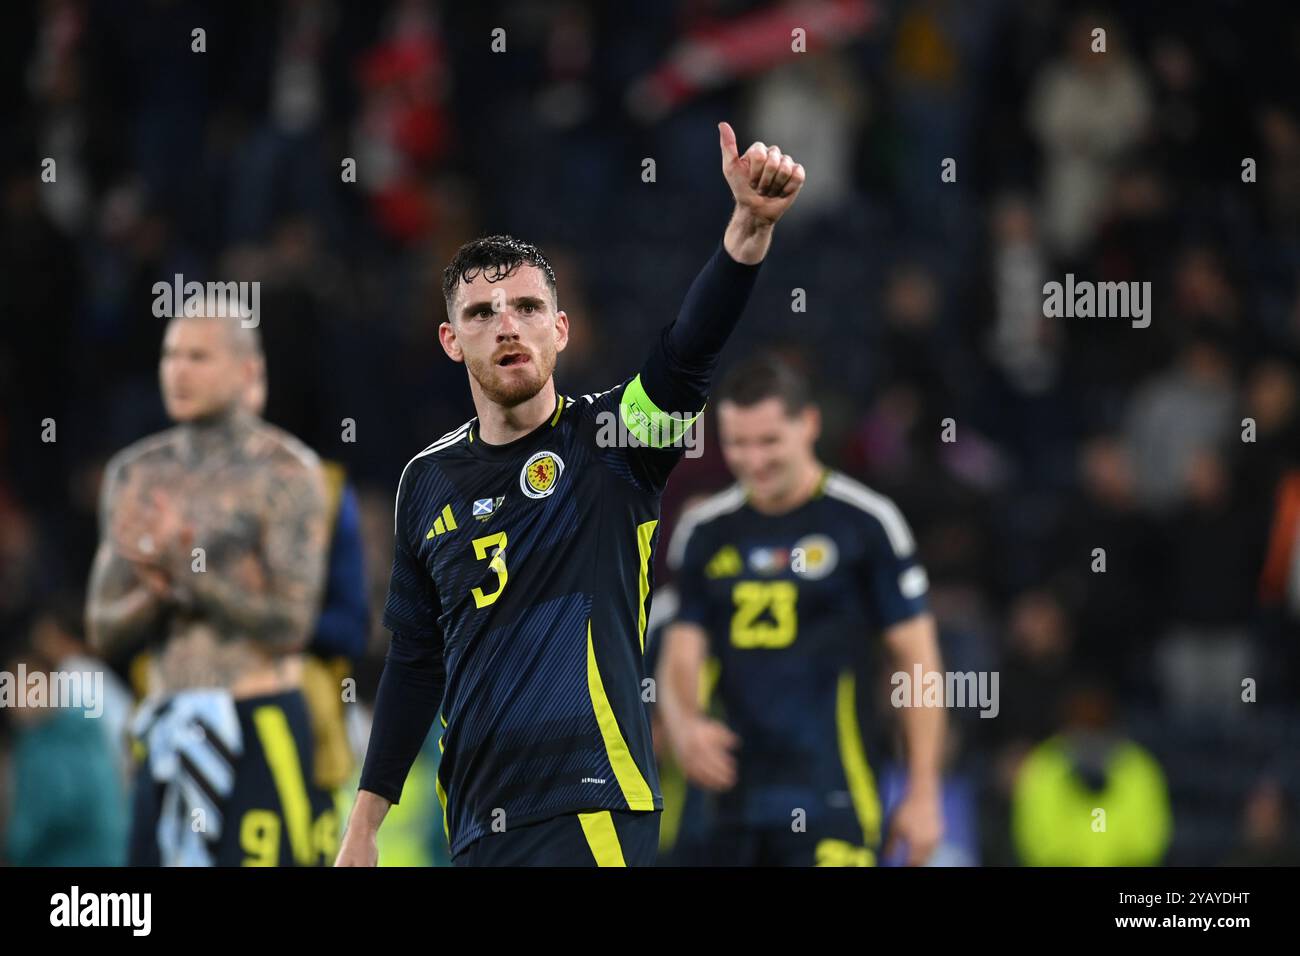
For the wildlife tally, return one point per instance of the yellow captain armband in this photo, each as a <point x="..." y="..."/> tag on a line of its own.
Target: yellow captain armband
<point x="647" y="421"/>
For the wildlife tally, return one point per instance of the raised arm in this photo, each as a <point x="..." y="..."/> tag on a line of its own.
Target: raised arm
<point x="672" y="387"/>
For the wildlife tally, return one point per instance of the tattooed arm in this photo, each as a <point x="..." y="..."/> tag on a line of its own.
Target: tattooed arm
<point x="277" y="607"/>
<point x="123" y="602"/>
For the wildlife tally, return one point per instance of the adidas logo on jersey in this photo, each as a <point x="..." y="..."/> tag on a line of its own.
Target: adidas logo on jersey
<point x="442" y="524"/>
<point x="724" y="564"/>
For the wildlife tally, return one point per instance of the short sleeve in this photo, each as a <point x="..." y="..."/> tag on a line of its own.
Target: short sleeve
<point x="686" y="561"/>
<point x="891" y="569"/>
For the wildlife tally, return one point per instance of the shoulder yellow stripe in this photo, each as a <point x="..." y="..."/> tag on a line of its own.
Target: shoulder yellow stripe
<point x="630" y="780"/>
<point x="282" y="757"/>
<point x="862" y="783"/>
<point x="602" y="838"/>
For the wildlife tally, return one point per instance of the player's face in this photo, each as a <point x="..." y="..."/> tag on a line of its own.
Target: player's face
<point x="766" y="448"/>
<point x="507" y="333"/>
<point x="201" y="371"/>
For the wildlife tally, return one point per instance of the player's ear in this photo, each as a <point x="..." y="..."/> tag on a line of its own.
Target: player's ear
<point x="252" y="369"/>
<point x="812" y="422"/>
<point x="447" y="337"/>
<point x="561" y="330"/>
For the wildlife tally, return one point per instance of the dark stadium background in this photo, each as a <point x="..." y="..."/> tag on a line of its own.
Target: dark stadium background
<point x="923" y="301"/>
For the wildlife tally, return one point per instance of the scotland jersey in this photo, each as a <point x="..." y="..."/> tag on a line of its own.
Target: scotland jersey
<point x="521" y="586"/>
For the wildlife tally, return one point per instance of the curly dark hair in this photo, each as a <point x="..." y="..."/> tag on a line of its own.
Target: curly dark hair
<point x="494" y="257"/>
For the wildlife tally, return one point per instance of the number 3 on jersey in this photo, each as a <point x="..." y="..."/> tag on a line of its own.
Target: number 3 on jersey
<point x="497" y="564"/>
<point x="765" y="614"/>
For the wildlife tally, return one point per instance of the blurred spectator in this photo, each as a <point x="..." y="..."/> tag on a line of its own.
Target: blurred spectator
<point x="913" y="340"/>
<point x="67" y="792"/>
<point x="57" y="636"/>
<point x="1266" y="836"/>
<point x="20" y="562"/>
<point x="1208" y="651"/>
<point x="1088" y="109"/>
<point x="813" y="101"/>
<point x="279" y="167"/>
<point x="1272" y="401"/>
<point x="1023" y="342"/>
<point x="1280" y="168"/>
<point x="1280" y="576"/>
<point x="1180" y="414"/>
<point x="1090" y="797"/>
<point x="1035" y="671"/>
<point x="1116" y="610"/>
<point x="402" y="128"/>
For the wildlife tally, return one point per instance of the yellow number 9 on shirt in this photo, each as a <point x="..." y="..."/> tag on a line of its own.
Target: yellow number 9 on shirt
<point x="498" y="564"/>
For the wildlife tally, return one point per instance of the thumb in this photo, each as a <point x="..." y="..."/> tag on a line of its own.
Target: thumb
<point x="727" y="140"/>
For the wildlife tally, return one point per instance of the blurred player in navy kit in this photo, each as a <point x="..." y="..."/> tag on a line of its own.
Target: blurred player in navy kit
<point x="522" y="570"/>
<point x="784" y="579"/>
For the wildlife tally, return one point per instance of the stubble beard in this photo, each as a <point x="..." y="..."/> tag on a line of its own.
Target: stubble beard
<point x="508" y="388"/>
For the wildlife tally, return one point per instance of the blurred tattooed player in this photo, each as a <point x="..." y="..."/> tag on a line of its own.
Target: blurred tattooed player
<point x="212" y="544"/>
